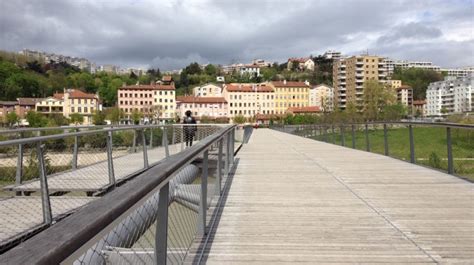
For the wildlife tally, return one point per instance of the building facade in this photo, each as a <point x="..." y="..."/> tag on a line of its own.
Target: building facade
<point x="451" y="96"/>
<point x="76" y="101"/>
<point x="208" y="90"/>
<point x="290" y="94"/>
<point x="405" y="95"/>
<point x="213" y="107"/>
<point x="303" y="63"/>
<point x="249" y="100"/>
<point x="321" y="96"/>
<point x="350" y="75"/>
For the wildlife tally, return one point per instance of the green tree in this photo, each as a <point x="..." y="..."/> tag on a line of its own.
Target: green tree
<point x="36" y="120"/>
<point x="417" y="78"/>
<point x="210" y="69"/>
<point x="98" y="118"/>
<point x="376" y="97"/>
<point x="76" y="118"/>
<point x="114" y="114"/>
<point x="239" y="119"/>
<point x="394" y="112"/>
<point x="136" y="117"/>
<point x="12" y="118"/>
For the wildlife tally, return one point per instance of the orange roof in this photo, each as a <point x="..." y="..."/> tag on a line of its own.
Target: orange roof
<point x="28" y="101"/>
<point x="235" y="87"/>
<point x="76" y="93"/>
<point x="310" y="109"/>
<point x="148" y="87"/>
<point x="203" y="100"/>
<point x="300" y="60"/>
<point x="419" y="102"/>
<point x="404" y="87"/>
<point x="59" y="96"/>
<point x="289" y="84"/>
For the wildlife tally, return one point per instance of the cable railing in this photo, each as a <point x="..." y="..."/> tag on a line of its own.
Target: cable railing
<point x="444" y="146"/>
<point x="45" y="179"/>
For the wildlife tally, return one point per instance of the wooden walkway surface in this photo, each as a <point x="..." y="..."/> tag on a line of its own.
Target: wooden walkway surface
<point x="298" y="201"/>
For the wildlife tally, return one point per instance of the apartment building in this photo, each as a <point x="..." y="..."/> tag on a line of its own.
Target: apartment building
<point x="51" y="105"/>
<point x="290" y="94"/>
<point x="25" y="105"/>
<point x="450" y="96"/>
<point x="394" y="83"/>
<point x="332" y="55"/>
<point x="208" y="90"/>
<point x="350" y="74"/>
<point x="321" y="96"/>
<point x="458" y="72"/>
<point x="251" y="70"/>
<point x="303" y="63"/>
<point x="77" y="101"/>
<point x="419" y="108"/>
<point x="405" y="95"/>
<point x="214" y="107"/>
<point x="249" y="99"/>
<point x="6" y="107"/>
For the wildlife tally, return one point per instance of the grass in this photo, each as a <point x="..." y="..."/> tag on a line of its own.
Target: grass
<point x="429" y="142"/>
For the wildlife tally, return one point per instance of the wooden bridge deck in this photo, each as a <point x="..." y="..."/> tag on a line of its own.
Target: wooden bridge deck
<point x="296" y="200"/>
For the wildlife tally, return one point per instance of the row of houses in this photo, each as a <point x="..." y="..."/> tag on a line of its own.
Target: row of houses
<point x="65" y="104"/>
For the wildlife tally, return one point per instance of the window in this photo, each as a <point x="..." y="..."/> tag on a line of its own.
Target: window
<point x="85" y="109"/>
<point x="121" y="95"/>
<point x="72" y="109"/>
<point x="79" y="109"/>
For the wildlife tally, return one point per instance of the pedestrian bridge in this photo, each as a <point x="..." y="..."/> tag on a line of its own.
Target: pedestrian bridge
<point x="282" y="199"/>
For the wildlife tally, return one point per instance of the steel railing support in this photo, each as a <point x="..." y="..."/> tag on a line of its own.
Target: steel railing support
<point x="367" y="141"/>
<point x="182" y="138"/>
<point x="203" y="204"/>
<point x="151" y="138"/>
<point x="227" y="155"/>
<point x="219" y="167"/>
<point x="333" y="135"/>
<point x="450" y="151"/>
<point x="145" y="152"/>
<point x="164" y="139"/>
<point x="75" y="151"/>
<point x="343" y="140"/>
<point x="353" y="136"/>
<point x="19" y="164"/>
<point x="45" y="202"/>
<point x="110" y="160"/>
<point x="385" y="139"/>
<point x="161" y="235"/>
<point x="134" y="144"/>
<point x="412" y="144"/>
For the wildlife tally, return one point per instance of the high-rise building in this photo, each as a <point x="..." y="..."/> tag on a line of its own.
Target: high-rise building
<point x="451" y="96"/>
<point x="350" y="74"/>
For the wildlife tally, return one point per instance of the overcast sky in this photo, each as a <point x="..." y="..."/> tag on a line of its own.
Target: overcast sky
<point x="171" y="34"/>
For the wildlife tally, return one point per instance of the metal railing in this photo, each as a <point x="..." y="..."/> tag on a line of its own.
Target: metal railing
<point x="152" y="219"/>
<point x="44" y="179"/>
<point x="378" y="137"/>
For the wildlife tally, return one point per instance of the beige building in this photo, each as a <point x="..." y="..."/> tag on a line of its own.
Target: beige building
<point x="321" y="96"/>
<point x="394" y="83"/>
<point x="249" y="99"/>
<point x="51" y="105"/>
<point x="208" y="90"/>
<point x="213" y="107"/>
<point x="290" y="94"/>
<point x="350" y="74"/>
<point x="419" y="108"/>
<point x="303" y="63"/>
<point x="76" y="101"/>
<point x="405" y="95"/>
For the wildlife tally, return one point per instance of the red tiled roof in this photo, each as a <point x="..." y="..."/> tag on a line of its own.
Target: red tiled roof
<point x="76" y="93"/>
<point x="310" y="109"/>
<point x="8" y="103"/>
<point x="203" y="100"/>
<point x="59" y="96"/>
<point x="28" y="101"/>
<point x="419" y="102"/>
<point x="404" y="87"/>
<point x="148" y="87"/>
<point x="300" y="60"/>
<point x="234" y="87"/>
<point x="289" y="84"/>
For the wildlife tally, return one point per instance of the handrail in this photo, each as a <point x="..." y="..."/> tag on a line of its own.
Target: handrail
<point x="91" y="132"/>
<point x="59" y="242"/>
<point x="435" y="124"/>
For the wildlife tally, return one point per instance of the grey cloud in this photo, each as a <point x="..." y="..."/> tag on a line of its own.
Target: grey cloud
<point x="169" y="33"/>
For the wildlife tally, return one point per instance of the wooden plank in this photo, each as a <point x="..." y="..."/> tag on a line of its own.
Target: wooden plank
<point x="298" y="200"/>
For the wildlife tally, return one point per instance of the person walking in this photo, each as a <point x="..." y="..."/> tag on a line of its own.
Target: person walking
<point x="189" y="130"/>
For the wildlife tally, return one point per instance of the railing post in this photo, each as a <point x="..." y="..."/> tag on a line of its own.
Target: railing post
<point x="173" y="136"/>
<point x="219" y="167"/>
<point x="145" y="153"/>
<point x="367" y="137"/>
<point x="151" y="138"/>
<point x="19" y="164"/>
<point x="161" y="235"/>
<point x="46" y="204"/>
<point x="412" y="144"/>
<point x="450" y="151"/>
<point x="343" y="140"/>
<point x="134" y="144"/>
<point x="385" y="139"/>
<point x="353" y="136"/>
<point x="182" y="137"/>
<point x="325" y="134"/>
<point x="164" y="139"/>
<point x="110" y="161"/>
<point x="75" y="150"/>
<point x="203" y="205"/>
<point x="227" y="154"/>
<point x="232" y="146"/>
<point x="333" y="135"/>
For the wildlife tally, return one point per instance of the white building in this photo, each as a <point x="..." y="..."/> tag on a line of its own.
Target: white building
<point x="322" y="96"/>
<point x="252" y="70"/>
<point x="207" y="90"/>
<point x="332" y="55"/>
<point x="450" y="96"/>
<point x="390" y="65"/>
<point x="459" y="72"/>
